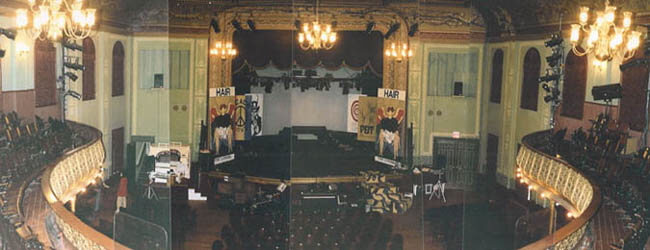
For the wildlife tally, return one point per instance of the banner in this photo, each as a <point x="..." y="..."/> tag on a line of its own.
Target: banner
<point x="240" y="118"/>
<point x="390" y="124"/>
<point x="367" y="119"/>
<point x="353" y="112"/>
<point x="222" y="114"/>
<point x="255" y="112"/>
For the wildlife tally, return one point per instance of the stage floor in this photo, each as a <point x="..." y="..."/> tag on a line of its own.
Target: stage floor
<point x="283" y="157"/>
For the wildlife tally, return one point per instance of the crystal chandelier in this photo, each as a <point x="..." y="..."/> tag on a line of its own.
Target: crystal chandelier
<point x="51" y="19"/>
<point x="604" y="38"/>
<point x="399" y="51"/>
<point x="316" y="36"/>
<point x="223" y="50"/>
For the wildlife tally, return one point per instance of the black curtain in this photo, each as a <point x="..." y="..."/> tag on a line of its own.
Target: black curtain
<point x="354" y="49"/>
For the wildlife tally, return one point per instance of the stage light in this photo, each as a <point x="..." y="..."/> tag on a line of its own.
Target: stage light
<point x="297" y="24"/>
<point x="548" y="98"/>
<point x="71" y="45"/>
<point x="236" y="25"/>
<point x="548" y="78"/>
<point x="569" y="215"/>
<point x="74" y="94"/>
<point x="546" y="87"/>
<point x="251" y="25"/>
<point x="369" y="27"/>
<point x="413" y="29"/>
<point x="543" y="195"/>
<point x="607" y="92"/>
<point x="393" y="28"/>
<point x="215" y="26"/>
<point x="74" y="66"/>
<point x="555" y="40"/>
<point x="11" y="34"/>
<point x="553" y="59"/>
<point x="72" y="76"/>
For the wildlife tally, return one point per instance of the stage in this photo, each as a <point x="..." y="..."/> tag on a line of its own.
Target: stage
<point x="303" y="152"/>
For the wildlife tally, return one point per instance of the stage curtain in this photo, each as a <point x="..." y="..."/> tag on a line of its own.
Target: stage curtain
<point x="354" y="49"/>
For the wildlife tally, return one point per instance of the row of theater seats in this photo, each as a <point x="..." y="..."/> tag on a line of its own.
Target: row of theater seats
<point x="309" y="228"/>
<point x="25" y="147"/>
<point x="623" y="179"/>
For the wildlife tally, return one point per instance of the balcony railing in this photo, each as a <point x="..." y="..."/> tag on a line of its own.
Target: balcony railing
<point x="64" y="179"/>
<point x="562" y="183"/>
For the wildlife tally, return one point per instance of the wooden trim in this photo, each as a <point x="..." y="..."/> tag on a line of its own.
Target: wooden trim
<point x="577" y="223"/>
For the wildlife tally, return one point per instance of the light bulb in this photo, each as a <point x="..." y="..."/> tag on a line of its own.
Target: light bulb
<point x="593" y="36"/>
<point x="328" y="28"/>
<point x="627" y="19"/>
<point x="323" y="37"/>
<point x="410" y="53"/>
<point x="21" y="18"/>
<point x="600" y="18"/>
<point x="634" y="40"/>
<point x="584" y="15"/>
<point x="90" y="16"/>
<point x="575" y="33"/>
<point x="610" y="14"/>
<point x="617" y="39"/>
<point x="388" y="53"/>
<point x="301" y="37"/>
<point x="333" y="37"/>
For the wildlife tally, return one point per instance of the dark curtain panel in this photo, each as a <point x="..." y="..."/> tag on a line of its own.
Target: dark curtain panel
<point x="44" y="73"/>
<point x="355" y="49"/>
<point x="575" y="84"/>
<point x="497" y="76"/>
<point x="88" y="84"/>
<point x="635" y="83"/>
<point x="118" y="69"/>
<point x="530" y="88"/>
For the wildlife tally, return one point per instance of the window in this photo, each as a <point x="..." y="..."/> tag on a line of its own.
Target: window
<point x="179" y="71"/>
<point x="89" y="73"/>
<point x="575" y="83"/>
<point x="44" y="73"/>
<point x="530" y="88"/>
<point x="635" y="82"/>
<point x="118" y="69"/>
<point x="453" y="73"/>
<point x="497" y="76"/>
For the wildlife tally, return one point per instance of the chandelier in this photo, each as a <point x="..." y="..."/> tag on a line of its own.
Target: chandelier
<point x="604" y="38"/>
<point x="51" y="19"/>
<point x="399" y="51"/>
<point x="316" y="36"/>
<point x="223" y="50"/>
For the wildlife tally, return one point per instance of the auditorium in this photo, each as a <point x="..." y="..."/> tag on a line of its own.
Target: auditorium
<point x="324" y="124"/>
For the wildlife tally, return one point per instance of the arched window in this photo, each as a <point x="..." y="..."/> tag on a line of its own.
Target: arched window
<point x="530" y="85"/>
<point x="89" y="72"/>
<point x="635" y="83"/>
<point x="118" y="69"/>
<point x="44" y="73"/>
<point x="497" y="76"/>
<point x="575" y="83"/>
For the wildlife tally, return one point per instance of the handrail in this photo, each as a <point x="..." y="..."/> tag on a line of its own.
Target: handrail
<point x="62" y="180"/>
<point x="577" y="188"/>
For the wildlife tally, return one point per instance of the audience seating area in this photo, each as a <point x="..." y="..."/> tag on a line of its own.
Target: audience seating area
<point x="25" y="149"/>
<point x="623" y="179"/>
<point x="309" y="228"/>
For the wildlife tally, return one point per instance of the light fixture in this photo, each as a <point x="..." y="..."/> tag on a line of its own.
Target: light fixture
<point x="51" y="19"/>
<point x="224" y="50"/>
<point x="399" y="51"/>
<point x="315" y="35"/>
<point x="603" y="37"/>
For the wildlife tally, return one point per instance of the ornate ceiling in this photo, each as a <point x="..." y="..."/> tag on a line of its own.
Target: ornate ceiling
<point x="497" y="18"/>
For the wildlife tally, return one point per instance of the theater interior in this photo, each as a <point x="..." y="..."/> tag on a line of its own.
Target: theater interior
<point x="324" y="124"/>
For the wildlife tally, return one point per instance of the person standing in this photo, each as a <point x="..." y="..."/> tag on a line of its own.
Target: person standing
<point x="122" y="192"/>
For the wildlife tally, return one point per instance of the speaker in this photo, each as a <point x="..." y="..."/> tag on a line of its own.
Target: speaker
<point x="607" y="92"/>
<point x="458" y="88"/>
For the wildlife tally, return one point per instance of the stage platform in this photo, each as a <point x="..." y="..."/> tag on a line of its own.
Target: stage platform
<point x="303" y="152"/>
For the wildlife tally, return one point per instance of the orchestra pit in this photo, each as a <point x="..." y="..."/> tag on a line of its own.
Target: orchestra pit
<point x="324" y="124"/>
